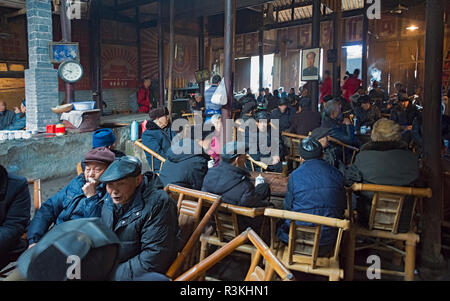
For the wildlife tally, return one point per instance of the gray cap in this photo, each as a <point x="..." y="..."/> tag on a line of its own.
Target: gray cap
<point x="122" y="168"/>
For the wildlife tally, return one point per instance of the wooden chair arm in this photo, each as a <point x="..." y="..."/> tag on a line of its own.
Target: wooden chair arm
<point x="294" y="136"/>
<point x="148" y="150"/>
<point x="334" y="140"/>
<point x="419" y="192"/>
<point x="258" y="163"/>
<point x="309" y="218"/>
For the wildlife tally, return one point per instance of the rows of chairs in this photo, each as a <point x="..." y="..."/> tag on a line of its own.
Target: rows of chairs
<point x="302" y="251"/>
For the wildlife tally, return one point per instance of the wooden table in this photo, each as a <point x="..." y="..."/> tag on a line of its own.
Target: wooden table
<point x="277" y="182"/>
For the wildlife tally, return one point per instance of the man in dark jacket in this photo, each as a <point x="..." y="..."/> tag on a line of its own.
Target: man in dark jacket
<point x="282" y="114"/>
<point x="404" y="112"/>
<point x="315" y="188"/>
<point x="187" y="162"/>
<point x="305" y="120"/>
<point x="248" y="111"/>
<point x="20" y="120"/>
<point x="344" y="132"/>
<point x="232" y="181"/>
<point x="272" y="101"/>
<point x="385" y="160"/>
<point x="80" y="199"/>
<point x="262" y="146"/>
<point x="14" y="215"/>
<point x="158" y="136"/>
<point x="7" y="117"/>
<point x="366" y="113"/>
<point x="144" y="218"/>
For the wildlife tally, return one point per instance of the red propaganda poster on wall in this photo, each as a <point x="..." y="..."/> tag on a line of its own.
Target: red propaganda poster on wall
<point x="119" y="67"/>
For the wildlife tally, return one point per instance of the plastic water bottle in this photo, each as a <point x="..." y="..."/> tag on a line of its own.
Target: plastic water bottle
<point x="355" y="122"/>
<point x="259" y="180"/>
<point x="134" y="131"/>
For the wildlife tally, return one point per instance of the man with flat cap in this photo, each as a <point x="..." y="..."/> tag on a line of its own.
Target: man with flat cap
<point x="366" y="114"/>
<point x="248" y="110"/>
<point x="315" y="188"/>
<point x="232" y="181"/>
<point x="329" y="152"/>
<point x="158" y="136"/>
<point x="283" y="114"/>
<point x="79" y="199"/>
<point x="143" y="216"/>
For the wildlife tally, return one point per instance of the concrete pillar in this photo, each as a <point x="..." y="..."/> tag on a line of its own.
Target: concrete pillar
<point x="41" y="79"/>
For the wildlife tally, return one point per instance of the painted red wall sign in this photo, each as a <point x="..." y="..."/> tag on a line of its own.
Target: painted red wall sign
<point x="119" y="67"/>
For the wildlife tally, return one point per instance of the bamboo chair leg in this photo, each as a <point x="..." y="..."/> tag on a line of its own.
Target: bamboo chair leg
<point x="349" y="255"/>
<point x="203" y="254"/>
<point x="410" y="261"/>
<point x="397" y="257"/>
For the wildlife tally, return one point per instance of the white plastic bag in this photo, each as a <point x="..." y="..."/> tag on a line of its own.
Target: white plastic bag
<point x="220" y="95"/>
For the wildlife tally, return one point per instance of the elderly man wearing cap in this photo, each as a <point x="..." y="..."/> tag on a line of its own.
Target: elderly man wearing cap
<point x="315" y="188"/>
<point x="232" y="181"/>
<point x="144" y="218"/>
<point x="404" y="111"/>
<point x="20" y="122"/>
<point x="305" y="120"/>
<point x="106" y="138"/>
<point x="329" y="151"/>
<point x="82" y="197"/>
<point x="248" y="110"/>
<point x="283" y="114"/>
<point x="262" y="146"/>
<point x="158" y="135"/>
<point x="366" y="113"/>
<point x="187" y="160"/>
<point x="385" y="160"/>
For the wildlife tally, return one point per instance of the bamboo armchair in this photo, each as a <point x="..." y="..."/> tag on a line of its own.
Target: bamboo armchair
<point x="382" y="231"/>
<point x="189" y="211"/>
<point x="152" y="153"/>
<point x="37" y="202"/>
<point x="344" y="146"/>
<point x="191" y="117"/>
<point x="253" y="162"/>
<point x="294" y="142"/>
<point x="302" y="252"/>
<point x="255" y="273"/>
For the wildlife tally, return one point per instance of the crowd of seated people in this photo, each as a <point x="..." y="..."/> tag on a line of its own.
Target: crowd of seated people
<point x="7" y="117"/>
<point x="135" y="207"/>
<point x="13" y="121"/>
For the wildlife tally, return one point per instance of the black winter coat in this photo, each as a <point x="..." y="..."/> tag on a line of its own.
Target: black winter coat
<point x="147" y="228"/>
<point x="236" y="188"/>
<point x="186" y="170"/>
<point x="15" y="206"/>
<point x="305" y="122"/>
<point x="158" y="140"/>
<point x="384" y="163"/>
<point x="284" y="118"/>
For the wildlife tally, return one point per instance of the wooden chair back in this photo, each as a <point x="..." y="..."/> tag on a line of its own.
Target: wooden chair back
<point x="387" y="204"/>
<point x="226" y="218"/>
<point x="189" y="204"/>
<point x="344" y="146"/>
<point x="152" y="153"/>
<point x="255" y="273"/>
<point x="294" y="144"/>
<point x="304" y="241"/>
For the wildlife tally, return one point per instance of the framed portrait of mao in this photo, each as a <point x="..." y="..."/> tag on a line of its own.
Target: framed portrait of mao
<point x="311" y="60"/>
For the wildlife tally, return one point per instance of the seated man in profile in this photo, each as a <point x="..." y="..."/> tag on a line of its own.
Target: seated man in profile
<point x="144" y="218"/>
<point x="14" y="215"/>
<point x="158" y="136"/>
<point x="232" y="181"/>
<point x="80" y="199"/>
<point x="315" y="188"/>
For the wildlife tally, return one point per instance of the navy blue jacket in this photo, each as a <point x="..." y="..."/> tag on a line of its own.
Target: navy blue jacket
<point x="14" y="210"/>
<point x="158" y="140"/>
<point x="186" y="170"/>
<point x="147" y="228"/>
<point x="68" y="204"/>
<point x="20" y="122"/>
<point x="341" y="132"/>
<point x="315" y="188"/>
<point x="6" y="119"/>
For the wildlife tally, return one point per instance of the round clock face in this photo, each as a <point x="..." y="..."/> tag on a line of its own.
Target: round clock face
<point x="70" y="71"/>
